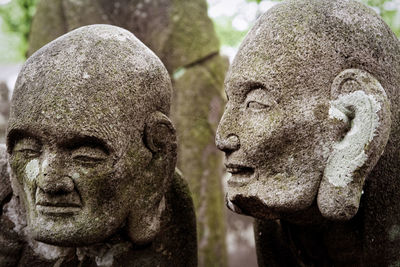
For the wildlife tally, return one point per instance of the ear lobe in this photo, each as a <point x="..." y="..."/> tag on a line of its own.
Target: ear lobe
<point x="360" y="100"/>
<point x="160" y="138"/>
<point x="144" y="225"/>
<point x="144" y="220"/>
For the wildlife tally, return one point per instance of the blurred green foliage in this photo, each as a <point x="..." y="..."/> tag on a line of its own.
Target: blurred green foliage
<point x="16" y="18"/>
<point x="18" y="15"/>
<point x="388" y="12"/>
<point x="228" y="35"/>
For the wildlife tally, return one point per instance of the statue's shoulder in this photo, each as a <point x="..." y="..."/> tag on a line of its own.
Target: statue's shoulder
<point x="180" y="191"/>
<point x="273" y="245"/>
<point x="10" y="243"/>
<point x="5" y="185"/>
<point x="181" y="202"/>
<point x="176" y="243"/>
<point x="179" y="236"/>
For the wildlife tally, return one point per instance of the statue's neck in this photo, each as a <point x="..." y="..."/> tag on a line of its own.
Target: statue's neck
<point x="326" y="243"/>
<point x="99" y="254"/>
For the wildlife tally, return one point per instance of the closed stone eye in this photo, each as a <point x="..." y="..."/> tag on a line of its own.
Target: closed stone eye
<point x="27" y="147"/>
<point x="88" y="155"/>
<point x="28" y="153"/>
<point x="259" y="100"/>
<point x="87" y="159"/>
<point x="256" y="105"/>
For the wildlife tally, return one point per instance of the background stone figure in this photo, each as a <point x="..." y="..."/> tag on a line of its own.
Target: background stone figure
<point x="311" y="135"/>
<point x="4" y="110"/>
<point x="182" y="35"/>
<point x="92" y="154"/>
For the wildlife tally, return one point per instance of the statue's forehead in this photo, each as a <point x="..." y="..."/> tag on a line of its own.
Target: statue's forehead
<point x="283" y="65"/>
<point x="255" y="67"/>
<point x="70" y="113"/>
<point x="60" y="128"/>
<point x="85" y="93"/>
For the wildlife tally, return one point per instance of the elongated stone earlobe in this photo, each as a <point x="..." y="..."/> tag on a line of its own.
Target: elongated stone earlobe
<point x="360" y="100"/>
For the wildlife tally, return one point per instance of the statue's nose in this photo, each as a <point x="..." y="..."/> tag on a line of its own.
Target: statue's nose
<point x="52" y="180"/>
<point x="225" y="139"/>
<point x="228" y="144"/>
<point x="55" y="184"/>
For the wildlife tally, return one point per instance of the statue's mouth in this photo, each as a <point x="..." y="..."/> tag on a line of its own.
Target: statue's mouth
<point x="240" y="174"/>
<point x="57" y="210"/>
<point x="58" y="204"/>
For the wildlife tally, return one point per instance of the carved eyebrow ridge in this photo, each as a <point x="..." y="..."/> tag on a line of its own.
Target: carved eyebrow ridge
<point x="90" y="141"/>
<point x="17" y="134"/>
<point x="251" y="85"/>
<point x="248" y="86"/>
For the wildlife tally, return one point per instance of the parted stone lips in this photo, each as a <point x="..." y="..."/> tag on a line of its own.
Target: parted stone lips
<point x="240" y="174"/>
<point x="57" y="204"/>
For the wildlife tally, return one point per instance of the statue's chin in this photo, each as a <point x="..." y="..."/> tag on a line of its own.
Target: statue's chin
<point x="62" y="239"/>
<point x="68" y="236"/>
<point x="255" y="207"/>
<point x="274" y="196"/>
<point x="79" y="229"/>
<point x="252" y="206"/>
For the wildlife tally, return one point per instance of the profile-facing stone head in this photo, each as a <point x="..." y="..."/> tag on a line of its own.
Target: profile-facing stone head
<point x="90" y="145"/>
<point x="311" y="95"/>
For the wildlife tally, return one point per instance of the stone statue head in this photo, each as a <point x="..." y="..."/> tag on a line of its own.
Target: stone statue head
<point x="312" y="112"/>
<point x="90" y="144"/>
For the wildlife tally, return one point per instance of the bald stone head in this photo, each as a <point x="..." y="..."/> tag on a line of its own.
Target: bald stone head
<point x="313" y="100"/>
<point x="91" y="147"/>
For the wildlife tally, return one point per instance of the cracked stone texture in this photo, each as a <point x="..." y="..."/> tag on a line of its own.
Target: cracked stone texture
<point x="89" y="131"/>
<point x="182" y="35"/>
<point x="278" y="135"/>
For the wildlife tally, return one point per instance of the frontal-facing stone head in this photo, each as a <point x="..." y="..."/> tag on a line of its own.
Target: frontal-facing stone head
<point x="91" y="147"/>
<point x="308" y="113"/>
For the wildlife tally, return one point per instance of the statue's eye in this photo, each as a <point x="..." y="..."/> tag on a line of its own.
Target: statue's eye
<point x="259" y="100"/>
<point x="88" y="155"/>
<point x="27" y="148"/>
<point x="28" y="153"/>
<point x="256" y="105"/>
<point x="86" y="159"/>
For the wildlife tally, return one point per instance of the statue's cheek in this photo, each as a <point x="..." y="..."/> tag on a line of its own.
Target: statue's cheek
<point x="97" y="183"/>
<point x="26" y="171"/>
<point x="32" y="170"/>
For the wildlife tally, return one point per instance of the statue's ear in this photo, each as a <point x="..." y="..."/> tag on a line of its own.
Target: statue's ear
<point x="359" y="100"/>
<point x="145" y="218"/>
<point x="160" y="135"/>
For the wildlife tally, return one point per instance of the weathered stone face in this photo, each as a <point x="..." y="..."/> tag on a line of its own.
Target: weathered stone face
<point x="274" y="141"/>
<point x="279" y="131"/>
<point x="86" y="119"/>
